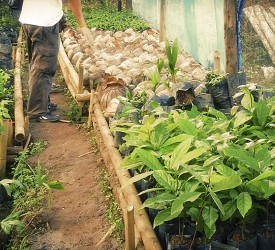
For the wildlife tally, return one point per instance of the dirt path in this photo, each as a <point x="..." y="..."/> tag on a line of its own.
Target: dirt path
<point x="77" y="218"/>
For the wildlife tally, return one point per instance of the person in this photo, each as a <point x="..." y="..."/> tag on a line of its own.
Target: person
<point x="40" y="23"/>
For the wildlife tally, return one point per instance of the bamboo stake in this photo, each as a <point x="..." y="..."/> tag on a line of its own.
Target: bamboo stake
<point x="80" y="80"/>
<point x="130" y="229"/>
<point x="142" y="221"/>
<point x="18" y="97"/>
<point x="91" y="108"/>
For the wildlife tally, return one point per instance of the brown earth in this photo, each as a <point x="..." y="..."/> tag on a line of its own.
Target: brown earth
<point x="77" y="217"/>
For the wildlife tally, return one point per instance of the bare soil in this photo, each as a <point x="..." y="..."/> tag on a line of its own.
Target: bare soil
<point x="77" y="217"/>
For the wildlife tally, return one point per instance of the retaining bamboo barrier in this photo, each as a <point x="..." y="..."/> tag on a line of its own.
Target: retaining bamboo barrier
<point x="145" y="237"/>
<point x="18" y="97"/>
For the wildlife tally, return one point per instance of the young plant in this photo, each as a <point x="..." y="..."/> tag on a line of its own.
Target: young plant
<point x="172" y="56"/>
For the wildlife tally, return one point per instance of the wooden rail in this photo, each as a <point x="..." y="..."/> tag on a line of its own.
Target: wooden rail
<point x="18" y="97"/>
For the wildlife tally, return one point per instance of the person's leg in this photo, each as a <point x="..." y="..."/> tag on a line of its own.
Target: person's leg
<point x="44" y="45"/>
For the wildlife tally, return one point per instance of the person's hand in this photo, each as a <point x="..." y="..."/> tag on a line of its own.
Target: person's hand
<point x="87" y="35"/>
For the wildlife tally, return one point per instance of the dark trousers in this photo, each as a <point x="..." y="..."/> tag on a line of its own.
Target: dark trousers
<point x="43" y="46"/>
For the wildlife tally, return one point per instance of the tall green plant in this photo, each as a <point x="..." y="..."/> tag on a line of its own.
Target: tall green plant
<point x="172" y="56"/>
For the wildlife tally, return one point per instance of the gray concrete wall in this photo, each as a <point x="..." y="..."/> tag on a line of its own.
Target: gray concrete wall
<point x="198" y="25"/>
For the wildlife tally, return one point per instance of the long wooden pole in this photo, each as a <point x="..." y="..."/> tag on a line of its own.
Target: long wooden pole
<point x="18" y="97"/>
<point x="230" y="36"/>
<point x="162" y="21"/>
<point x="142" y="221"/>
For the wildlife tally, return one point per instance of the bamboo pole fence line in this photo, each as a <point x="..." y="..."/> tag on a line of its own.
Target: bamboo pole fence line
<point x="18" y="97"/>
<point x="142" y="221"/>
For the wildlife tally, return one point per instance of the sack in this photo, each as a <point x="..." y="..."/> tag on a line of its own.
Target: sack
<point x="15" y="4"/>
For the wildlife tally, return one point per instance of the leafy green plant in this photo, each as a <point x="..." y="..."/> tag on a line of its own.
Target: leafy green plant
<point x="206" y="166"/>
<point x="27" y="189"/>
<point x="213" y="79"/>
<point x="172" y="56"/>
<point x="6" y="93"/>
<point x="114" y="215"/>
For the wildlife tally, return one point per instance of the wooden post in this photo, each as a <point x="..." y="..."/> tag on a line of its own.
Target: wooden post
<point x="80" y="79"/>
<point x="230" y="37"/>
<point x="162" y="21"/>
<point x="91" y="108"/>
<point x="129" y="5"/>
<point x="217" y="62"/>
<point x="130" y="229"/>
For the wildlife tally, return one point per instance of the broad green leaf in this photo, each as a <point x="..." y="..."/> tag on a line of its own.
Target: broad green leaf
<point x="225" y="182"/>
<point x="187" y="126"/>
<point x="244" y="203"/>
<point x="194" y="154"/>
<point x="55" y="184"/>
<point x="178" y="153"/>
<point x="194" y="213"/>
<point x="243" y="156"/>
<point x="241" y="118"/>
<point x="136" y="178"/>
<point x="178" y="203"/>
<point x="211" y="160"/>
<point x="263" y="156"/>
<point x="262" y="112"/>
<point x="164" y="215"/>
<point x="165" y="180"/>
<point x="149" y="159"/>
<point x="216" y="113"/>
<point x="262" y="176"/>
<point x="217" y="201"/>
<point x="229" y="209"/>
<point x="210" y="216"/>
<point x="131" y="163"/>
<point x="248" y="100"/>
<point x="159" y="135"/>
<point x="209" y="232"/>
<point x="177" y="139"/>
<point x="158" y="201"/>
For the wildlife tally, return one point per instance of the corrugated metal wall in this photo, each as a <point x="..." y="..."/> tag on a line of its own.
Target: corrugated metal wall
<point x="198" y="24"/>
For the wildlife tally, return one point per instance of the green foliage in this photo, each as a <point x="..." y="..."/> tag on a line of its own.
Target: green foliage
<point x="206" y="166"/>
<point x="212" y="78"/>
<point x="75" y="113"/>
<point x="27" y="189"/>
<point x="113" y="214"/>
<point x="6" y="95"/>
<point x="108" y="18"/>
<point x="6" y="18"/>
<point x="172" y="56"/>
